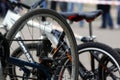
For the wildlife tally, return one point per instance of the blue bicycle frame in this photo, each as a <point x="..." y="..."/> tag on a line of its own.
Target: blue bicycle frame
<point x="22" y="64"/>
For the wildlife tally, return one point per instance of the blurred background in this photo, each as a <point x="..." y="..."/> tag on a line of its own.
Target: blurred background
<point x="105" y="28"/>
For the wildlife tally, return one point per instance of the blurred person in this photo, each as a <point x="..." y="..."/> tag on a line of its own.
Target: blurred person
<point x="5" y="5"/>
<point x="63" y="6"/>
<point x="53" y="5"/>
<point x="80" y="8"/>
<point x="44" y="4"/>
<point x="70" y="8"/>
<point x="106" y="16"/>
<point x="118" y="16"/>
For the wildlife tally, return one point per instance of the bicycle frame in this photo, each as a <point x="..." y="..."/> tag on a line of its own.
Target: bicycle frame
<point x="27" y="72"/>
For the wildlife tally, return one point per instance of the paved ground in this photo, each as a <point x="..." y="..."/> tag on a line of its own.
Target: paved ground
<point x="107" y="36"/>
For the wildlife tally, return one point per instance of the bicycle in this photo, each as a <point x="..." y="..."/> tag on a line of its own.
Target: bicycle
<point x="106" y="67"/>
<point x="47" y="32"/>
<point x="64" y="61"/>
<point x="89" y="74"/>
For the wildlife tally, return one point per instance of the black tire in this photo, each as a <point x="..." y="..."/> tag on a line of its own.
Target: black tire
<point x="19" y="26"/>
<point x="118" y="50"/>
<point x="111" y="73"/>
<point x="102" y="50"/>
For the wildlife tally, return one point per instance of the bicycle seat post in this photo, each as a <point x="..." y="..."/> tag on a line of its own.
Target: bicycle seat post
<point x="90" y="29"/>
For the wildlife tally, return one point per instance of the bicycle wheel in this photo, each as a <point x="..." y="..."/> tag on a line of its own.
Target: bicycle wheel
<point x="28" y="27"/>
<point x="110" y="70"/>
<point x="91" y="62"/>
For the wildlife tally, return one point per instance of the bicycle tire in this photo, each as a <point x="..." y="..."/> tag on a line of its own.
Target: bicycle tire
<point x="105" y="73"/>
<point x="92" y="46"/>
<point x="62" y="22"/>
<point x="118" y="50"/>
